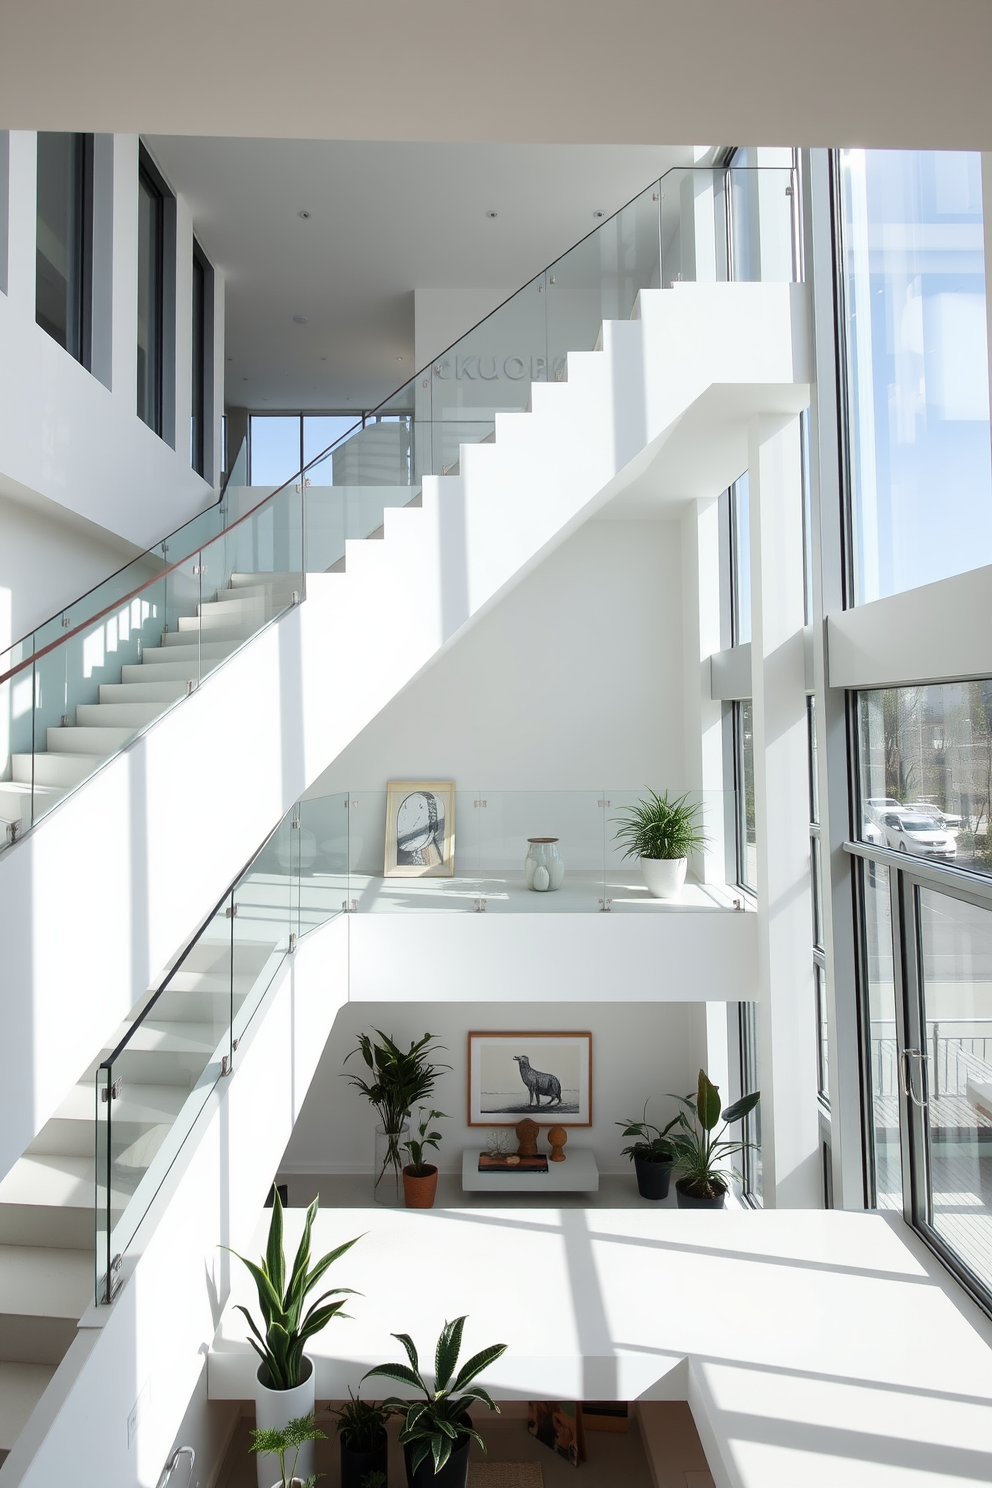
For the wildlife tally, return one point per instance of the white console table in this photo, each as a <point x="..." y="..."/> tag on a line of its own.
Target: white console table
<point x="577" y="1174"/>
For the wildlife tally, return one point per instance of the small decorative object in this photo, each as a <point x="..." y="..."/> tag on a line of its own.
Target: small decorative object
<point x="284" y="1386"/>
<point x="400" y="1079"/>
<point x="543" y="867"/>
<point x="699" y="1155"/>
<point x="662" y="833"/>
<point x="420" y="829"/>
<point x="296" y="1436"/>
<point x="513" y="1159"/>
<point x="498" y="1143"/>
<point x="527" y="1134"/>
<point x="653" y="1156"/>
<point x="437" y="1430"/>
<point x="515" y="1074"/>
<point x="558" y="1424"/>
<point x="557" y="1136"/>
<point x="361" y="1428"/>
<point x="420" y="1177"/>
<point x="513" y="1164"/>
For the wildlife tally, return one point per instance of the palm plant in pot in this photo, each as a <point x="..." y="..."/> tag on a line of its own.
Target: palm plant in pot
<point x="420" y="1177"/>
<point x="652" y="1154"/>
<point x="361" y="1428"/>
<point x="398" y="1080"/>
<point x="662" y="833"/>
<point x="284" y="1389"/>
<point x="701" y="1151"/>
<point x="294" y="1437"/>
<point x="437" y="1430"/>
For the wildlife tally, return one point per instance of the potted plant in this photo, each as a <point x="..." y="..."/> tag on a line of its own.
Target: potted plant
<point x="662" y="833"/>
<point x="419" y="1177"/>
<point x="653" y="1155"/>
<point x="437" y="1430"/>
<point x="361" y="1428"/>
<point x="284" y="1383"/>
<point x="701" y="1151"/>
<point x="399" y="1079"/>
<point x="297" y="1434"/>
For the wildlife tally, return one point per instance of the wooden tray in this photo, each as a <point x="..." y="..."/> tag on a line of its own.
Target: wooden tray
<point x="489" y="1164"/>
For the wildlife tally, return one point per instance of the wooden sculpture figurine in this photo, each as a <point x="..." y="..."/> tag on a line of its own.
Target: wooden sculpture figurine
<point x="527" y="1134"/>
<point x="557" y="1136"/>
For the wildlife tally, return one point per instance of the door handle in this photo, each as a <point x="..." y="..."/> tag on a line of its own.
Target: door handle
<point x="906" y="1078"/>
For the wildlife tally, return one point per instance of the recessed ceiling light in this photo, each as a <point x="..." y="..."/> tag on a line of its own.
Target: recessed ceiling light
<point x="399" y="359"/>
<point x="304" y="214"/>
<point x="492" y="214"/>
<point x="300" y="319"/>
<point x="598" y="213"/>
<point x="323" y="359"/>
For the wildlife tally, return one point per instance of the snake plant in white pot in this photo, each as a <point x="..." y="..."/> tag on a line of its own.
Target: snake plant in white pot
<point x="284" y="1389"/>
<point x="662" y="833"/>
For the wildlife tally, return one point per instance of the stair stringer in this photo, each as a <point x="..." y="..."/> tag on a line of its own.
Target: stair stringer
<point x="97" y="899"/>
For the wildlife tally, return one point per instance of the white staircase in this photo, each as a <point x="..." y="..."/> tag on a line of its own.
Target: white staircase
<point x="165" y="674"/>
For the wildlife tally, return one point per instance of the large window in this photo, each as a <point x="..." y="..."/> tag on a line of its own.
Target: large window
<point x="281" y="444"/>
<point x="926" y="771"/>
<point x="747" y="848"/>
<point x="151" y="299"/>
<point x="202" y="369"/>
<point x="917" y="354"/>
<point x="882" y="1059"/>
<point x="740" y="557"/>
<point x="64" y="243"/>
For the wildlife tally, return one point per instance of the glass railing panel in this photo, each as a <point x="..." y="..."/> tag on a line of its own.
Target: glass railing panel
<point x="323" y="859"/>
<point x="368" y="889"/>
<point x="16" y="741"/>
<point x="266" y="918"/>
<point x="600" y="278"/>
<point x="626" y="886"/>
<point x="183" y="593"/>
<point x="538" y="837"/>
<point x="694" y="226"/>
<point x="489" y="370"/>
<point x="761" y="224"/>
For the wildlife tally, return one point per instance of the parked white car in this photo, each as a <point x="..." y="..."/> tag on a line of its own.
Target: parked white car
<point x="877" y="806"/>
<point x="946" y="819"/>
<point x="919" y="835"/>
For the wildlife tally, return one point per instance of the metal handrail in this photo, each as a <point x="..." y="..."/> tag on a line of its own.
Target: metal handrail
<point x="318" y="459"/>
<point x="173" y="1463"/>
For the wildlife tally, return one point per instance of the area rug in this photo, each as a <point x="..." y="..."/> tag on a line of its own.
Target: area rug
<point x="505" y="1475"/>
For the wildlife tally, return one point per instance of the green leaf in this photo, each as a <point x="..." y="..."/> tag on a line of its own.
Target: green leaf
<point x="707" y="1103"/>
<point x="477" y="1364"/>
<point x="398" y="1372"/>
<point x="411" y="1353"/>
<point x="742" y="1107"/>
<point x="275" y="1262"/>
<point x="446" y="1354"/>
<point x="441" y="1450"/>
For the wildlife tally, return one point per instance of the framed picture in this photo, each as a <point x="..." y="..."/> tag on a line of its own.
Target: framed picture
<point x="547" y="1076"/>
<point x="420" y="829"/>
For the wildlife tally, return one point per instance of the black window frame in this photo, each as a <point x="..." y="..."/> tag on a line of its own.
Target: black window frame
<point x="78" y="339"/>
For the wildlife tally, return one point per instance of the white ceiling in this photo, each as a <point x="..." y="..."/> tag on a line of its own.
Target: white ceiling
<point x="385" y="219"/>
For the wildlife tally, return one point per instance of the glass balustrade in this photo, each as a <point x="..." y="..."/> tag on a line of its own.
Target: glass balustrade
<point x="82" y="686"/>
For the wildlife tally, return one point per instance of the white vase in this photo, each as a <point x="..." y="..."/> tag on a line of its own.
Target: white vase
<point x="543" y="867"/>
<point x="273" y="1410"/>
<point x="664" y="876"/>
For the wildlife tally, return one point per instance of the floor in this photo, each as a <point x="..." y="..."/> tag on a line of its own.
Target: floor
<point x="613" y="1459"/>
<point x="354" y="1191"/>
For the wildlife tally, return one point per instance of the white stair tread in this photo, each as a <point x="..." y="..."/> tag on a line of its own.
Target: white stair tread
<point x="56" y="769"/>
<point x="216" y="630"/>
<point x="214" y="650"/>
<point x="139" y="1102"/>
<point x="62" y="1182"/>
<point x="117" y="715"/>
<point x="98" y="741"/>
<point x="285" y="589"/>
<point x="38" y="1282"/>
<point x="240" y="580"/>
<point x="21" y="1387"/>
<point x="161" y="1036"/>
<point x="164" y="691"/>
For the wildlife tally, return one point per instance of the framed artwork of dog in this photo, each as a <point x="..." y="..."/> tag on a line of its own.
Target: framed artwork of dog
<point x="547" y="1076"/>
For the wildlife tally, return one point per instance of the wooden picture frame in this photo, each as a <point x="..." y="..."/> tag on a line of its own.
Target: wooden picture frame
<point x="501" y="1091"/>
<point x="420" y="829"/>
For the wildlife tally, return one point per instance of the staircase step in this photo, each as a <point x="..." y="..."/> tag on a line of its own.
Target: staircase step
<point x="15" y="799"/>
<point x="165" y="691"/>
<point x="248" y="580"/>
<point x="282" y="592"/>
<point x="48" y="1200"/>
<point x="56" y="769"/>
<point x="21" y="1387"/>
<point x="234" y="609"/>
<point x="43" y="1294"/>
<point x="92" y="741"/>
<point x="189" y="626"/>
<point x="141" y="1107"/>
<point x="191" y="650"/>
<point x="117" y="715"/>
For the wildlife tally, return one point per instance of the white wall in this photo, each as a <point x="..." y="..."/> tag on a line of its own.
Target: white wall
<point x="441" y="316"/>
<point x="71" y="436"/>
<point x="638" y="1051"/>
<point x="572" y="682"/>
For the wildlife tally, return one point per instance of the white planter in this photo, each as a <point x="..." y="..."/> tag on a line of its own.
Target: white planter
<point x="274" y="1409"/>
<point x="664" y="876"/>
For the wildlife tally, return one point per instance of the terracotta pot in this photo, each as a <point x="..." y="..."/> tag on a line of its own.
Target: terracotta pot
<point x="653" y="1178"/>
<point x="690" y="1201"/>
<point x="419" y="1190"/>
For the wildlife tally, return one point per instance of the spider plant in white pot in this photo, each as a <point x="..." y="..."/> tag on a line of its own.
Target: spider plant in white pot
<point x="662" y="833"/>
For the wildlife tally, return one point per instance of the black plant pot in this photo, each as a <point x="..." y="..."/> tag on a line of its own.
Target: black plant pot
<point x="355" y="1465"/>
<point x="653" y="1178"/>
<point x="454" y="1473"/>
<point x="691" y="1201"/>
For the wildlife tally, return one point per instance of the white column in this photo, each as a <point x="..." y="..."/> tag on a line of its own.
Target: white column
<point x="791" y="1174"/>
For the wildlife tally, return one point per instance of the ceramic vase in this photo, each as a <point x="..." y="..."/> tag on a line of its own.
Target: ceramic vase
<point x="664" y="876"/>
<point x="543" y="867"/>
<point x="274" y="1409"/>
